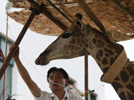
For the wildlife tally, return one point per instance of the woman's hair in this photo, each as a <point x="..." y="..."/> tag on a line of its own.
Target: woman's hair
<point x="64" y="73"/>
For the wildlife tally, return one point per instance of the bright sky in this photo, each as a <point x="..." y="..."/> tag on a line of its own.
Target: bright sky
<point x="33" y="44"/>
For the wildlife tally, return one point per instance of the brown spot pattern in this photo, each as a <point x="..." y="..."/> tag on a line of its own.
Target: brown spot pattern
<point x="109" y="51"/>
<point x="71" y="48"/>
<point x="116" y="85"/>
<point x="132" y="81"/>
<point x="130" y="96"/>
<point x="104" y="61"/>
<point x="101" y="43"/>
<point x="122" y="96"/>
<point x="101" y="53"/>
<point x="105" y="69"/>
<point x="80" y="43"/>
<point x="106" y="54"/>
<point x="112" y="60"/>
<point x="74" y="41"/>
<point x="117" y="51"/>
<point x="130" y="87"/>
<point x="97" y="57"/>
<point x="110" y="46"/>
<point x="94" y="41"/>
<point x="130" y="70"/>
<point x="124" y="76"/>
<point x="117" y="78"/>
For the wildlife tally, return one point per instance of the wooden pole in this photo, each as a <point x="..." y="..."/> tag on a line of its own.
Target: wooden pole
<point x="47" y="14"/>
<point x="17" y="42"/>
<point x="91" y="15"/>
<point x="123" y="8"/>
<point x="86" y="77"/>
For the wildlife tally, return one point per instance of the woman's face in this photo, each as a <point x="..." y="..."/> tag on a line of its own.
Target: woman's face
<point x="57" y="81"/>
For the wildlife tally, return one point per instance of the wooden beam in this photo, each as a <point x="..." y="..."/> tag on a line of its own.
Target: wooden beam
<point x="69" y="4"/>
<point x="90" y="14"/>
<point x="123" y="8"/>
<point x="48" y="14"/>
<point x="17" y="42"/>
<point x="56" y="8"/>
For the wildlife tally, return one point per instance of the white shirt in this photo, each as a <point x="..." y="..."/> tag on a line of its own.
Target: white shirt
<point x="50" y="96"/>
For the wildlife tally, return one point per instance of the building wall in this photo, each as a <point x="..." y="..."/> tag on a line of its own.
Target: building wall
<point x="6" y="81"/>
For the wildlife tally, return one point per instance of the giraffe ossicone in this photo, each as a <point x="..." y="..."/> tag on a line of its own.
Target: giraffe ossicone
<point x="79" y="39"/>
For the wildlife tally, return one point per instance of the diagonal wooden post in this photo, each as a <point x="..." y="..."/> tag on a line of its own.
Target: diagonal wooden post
<point x="17" y="42"/>
<point x="91" y="15"/>
<point x="47" y="14"/>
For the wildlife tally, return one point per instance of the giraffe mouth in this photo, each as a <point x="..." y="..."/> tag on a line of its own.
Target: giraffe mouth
<point x="42" y="61"/>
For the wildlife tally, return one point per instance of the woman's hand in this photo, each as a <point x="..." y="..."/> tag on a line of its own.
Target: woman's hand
<point x="16" y="54"/>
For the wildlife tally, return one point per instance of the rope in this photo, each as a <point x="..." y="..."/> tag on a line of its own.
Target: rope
<point x="7" y="8"/>
<point x="5" y="54"/>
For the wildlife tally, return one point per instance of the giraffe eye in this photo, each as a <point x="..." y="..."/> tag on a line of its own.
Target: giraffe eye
<point x="67" y="35"/>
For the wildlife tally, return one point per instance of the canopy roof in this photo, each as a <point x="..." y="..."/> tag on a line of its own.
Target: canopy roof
<point x="111" y="15"/>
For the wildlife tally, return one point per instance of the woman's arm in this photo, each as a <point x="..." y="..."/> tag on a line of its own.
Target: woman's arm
<point x="25" y="75"/>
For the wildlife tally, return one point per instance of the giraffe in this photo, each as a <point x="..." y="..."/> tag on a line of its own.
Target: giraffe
<point x="81" y="39"/>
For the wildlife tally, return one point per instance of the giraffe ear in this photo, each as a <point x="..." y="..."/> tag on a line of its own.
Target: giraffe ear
<point x="78" y="18"/>
<point x="83" y="29"/>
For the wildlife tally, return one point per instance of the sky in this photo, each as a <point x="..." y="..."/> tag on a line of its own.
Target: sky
<point x="33" y="44"/>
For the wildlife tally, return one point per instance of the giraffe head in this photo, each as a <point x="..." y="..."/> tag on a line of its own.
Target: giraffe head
<point x="77" y="40"/>
<point x="70" y="44"/>
<point x="80" y="39"/>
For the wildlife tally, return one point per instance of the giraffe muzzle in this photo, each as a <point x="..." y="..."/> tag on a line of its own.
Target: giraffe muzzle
<point x="42" y="61"/>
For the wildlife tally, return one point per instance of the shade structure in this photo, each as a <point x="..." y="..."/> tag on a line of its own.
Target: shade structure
<point x="112" y="16"/>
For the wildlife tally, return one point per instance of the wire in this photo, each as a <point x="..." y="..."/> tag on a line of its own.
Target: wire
<point x="38" y="71"/>
<point x="55" y="82"/>
<point x="91" y="91"/>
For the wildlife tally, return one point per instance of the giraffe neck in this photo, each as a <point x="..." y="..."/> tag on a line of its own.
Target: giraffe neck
<point x="103" y="50"/>
<point x="124" y="82"/>
<point x="105" y="53"/>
